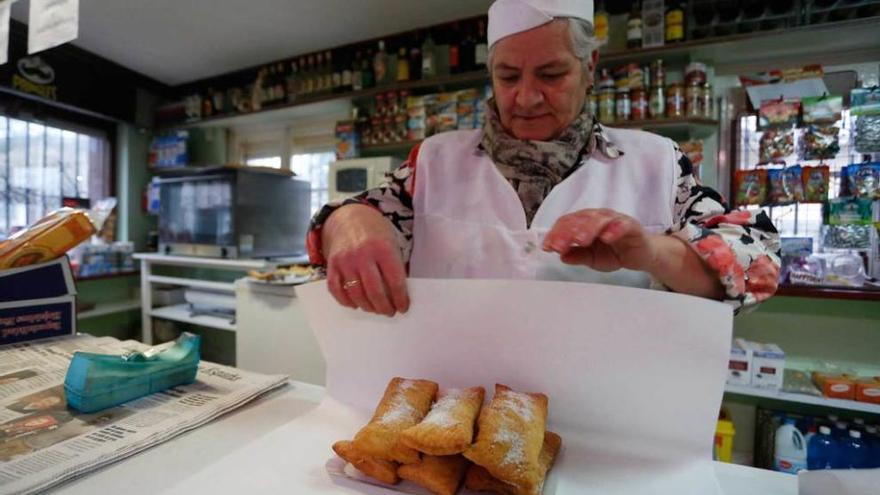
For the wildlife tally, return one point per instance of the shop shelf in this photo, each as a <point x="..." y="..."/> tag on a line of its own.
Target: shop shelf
<point x="694" y="127"/>
<point x="129" y="273"/>
<point x="848" y="405"/>
<point x="110" y="308"/>
<point x="192" y="282"/>
<point x="401" y="148"/>
<point x="828" y="292"/>
<point x="181" y="313"/>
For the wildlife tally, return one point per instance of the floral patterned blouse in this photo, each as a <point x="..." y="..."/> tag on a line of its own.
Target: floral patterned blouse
<point x="741" y="247"/>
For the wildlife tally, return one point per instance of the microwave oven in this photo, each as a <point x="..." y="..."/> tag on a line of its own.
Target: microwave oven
<point x="350" y="177"/>
<point x="233" y="212"/>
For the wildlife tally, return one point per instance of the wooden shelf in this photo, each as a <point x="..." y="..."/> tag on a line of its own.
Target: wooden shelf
<point x="847" y="405"/>
<point x="829" y="292"/>
<point x="130" y="273"/>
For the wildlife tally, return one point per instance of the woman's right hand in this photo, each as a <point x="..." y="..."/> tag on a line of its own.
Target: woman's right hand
<point x="364" y="265"/>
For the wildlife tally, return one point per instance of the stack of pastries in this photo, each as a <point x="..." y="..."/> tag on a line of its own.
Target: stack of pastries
<point x="431" y="443"/>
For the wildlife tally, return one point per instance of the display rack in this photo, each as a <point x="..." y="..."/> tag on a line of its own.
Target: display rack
<point x="846" y="405"/>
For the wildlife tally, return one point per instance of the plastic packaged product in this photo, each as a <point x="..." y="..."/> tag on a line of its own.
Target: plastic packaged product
<point x="863" y="180"/>
<point x="835" y="386"/>
<point x="821" y="142"/>
<point x="799" y="382"/>
<point x="46" y="240"/>
<point x="786" y="185"/>
<point x="821" y="450"/>
<point x="776" y="144"/>
<point x="867" y="134"/>
<point x="790" y="455"/>
<point x="816" y="183"/>
<point x="806" y="271"/>
<point x="868" y="390"/>
<point x="847" y="237"/>
<point x="822" y="109"/>
<point x="845" y="269"/>
<point x="850" y="211"/>
<point x="778" y="114"/>
<point x="751" y="187"/>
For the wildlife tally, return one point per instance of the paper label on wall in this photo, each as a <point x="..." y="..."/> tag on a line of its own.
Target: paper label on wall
<point x="52" y="23"/>
<point x="4" y="30"/>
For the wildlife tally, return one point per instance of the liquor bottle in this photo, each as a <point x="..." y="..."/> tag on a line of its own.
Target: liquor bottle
<point x="266" y="88"/>
<point x="441" y="57"/>
<point x="335" y="73"/>
<point x="466" y="55"/>
<point x="455" y="50"/>
<point x="402" y="65"/>
<point x="368" y="75"/>
<point x="208" y="104"/>
<point x="357" y="73"/>
<point x="600" y="23"/>
<point x="634" y="26"/>
<point x="415" y="60"/>
<point x="481" y="49"/>
<point x="312" y="76"/>
<point x="380" y="65"/>
<point x="675" y="22"/>
<point x="292" y="81"/>
<point x="429" y="58"/>
<point x="219" y="103"/>
<point x="347" y="74"/>
<point x="328" y="73"/>
<point x="280" y="84"/>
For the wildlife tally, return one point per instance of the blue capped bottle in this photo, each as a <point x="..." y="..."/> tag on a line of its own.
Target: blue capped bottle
<point x="821" y="449"/>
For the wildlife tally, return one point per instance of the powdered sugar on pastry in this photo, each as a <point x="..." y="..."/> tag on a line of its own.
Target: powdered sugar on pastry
<point x="520" y="404"/>
<point x="515" y="444"/>
<point x="441" y="413"/>
<point x="400" y="411"/>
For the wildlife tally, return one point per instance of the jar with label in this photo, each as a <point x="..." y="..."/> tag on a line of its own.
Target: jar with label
<point x="593" y="104"/>
<point x="675" y="101"/>
<point x="657" y="103"/>
<point x="675" y="22"/>
<point x="708" y="101"/>
<point x="658" y="74"/>
<point x="606" y="106"/>
<point x="636" y="76"/>
<point x="695" y="74"/>
<point x="380" y="105"/>
<point x="639" y="103"/>
<point x="388" y="133"/>
<point x="693" y="100"/>
<point x="391" y="103"/>
<point x="623" y="106"/>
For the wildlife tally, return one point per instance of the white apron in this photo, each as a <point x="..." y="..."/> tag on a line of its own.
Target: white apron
<point x="470" y="223"/>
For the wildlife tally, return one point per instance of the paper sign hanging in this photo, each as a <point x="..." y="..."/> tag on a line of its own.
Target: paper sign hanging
<point x="52" y="23"/>
<point x="4" y="30"/>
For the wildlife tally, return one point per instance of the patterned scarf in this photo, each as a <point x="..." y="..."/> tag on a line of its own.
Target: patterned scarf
<point x="533" y="168"/>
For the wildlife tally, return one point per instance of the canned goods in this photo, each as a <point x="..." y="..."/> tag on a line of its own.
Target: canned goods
<point x="639" y="103"/>
<point x="708" y="101"/>
<point x="657" y="103"/>
<point x="623" y="105"/>
<point x="675" y="100"/>
<point x="693" y="101"/>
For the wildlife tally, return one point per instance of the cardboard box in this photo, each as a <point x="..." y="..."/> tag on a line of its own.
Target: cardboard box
<point x="835" y="386"/>
<point x="768" y="365"/>
<point x="868" y="390"/>
<point x="739" y="370"/>
<point x="37" y="301"/>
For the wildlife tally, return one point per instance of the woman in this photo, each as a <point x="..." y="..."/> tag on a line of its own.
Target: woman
<point x="543" y="192"/>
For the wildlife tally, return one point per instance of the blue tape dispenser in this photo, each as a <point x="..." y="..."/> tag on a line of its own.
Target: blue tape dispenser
<point x="98" y="381"/>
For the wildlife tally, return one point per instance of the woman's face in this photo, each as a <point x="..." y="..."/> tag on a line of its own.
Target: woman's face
<point x="539" y="84"/>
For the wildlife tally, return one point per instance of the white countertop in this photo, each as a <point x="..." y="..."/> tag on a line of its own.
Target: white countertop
<point x="252" y="450"/>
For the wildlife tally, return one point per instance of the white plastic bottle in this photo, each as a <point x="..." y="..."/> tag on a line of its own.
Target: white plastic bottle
<point x="790" y="455"/>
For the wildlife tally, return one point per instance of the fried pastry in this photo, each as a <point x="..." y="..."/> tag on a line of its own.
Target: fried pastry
<point x="479" y="480"/>
<point x="404" y="404"/>
<point x="510" y="437"/>
<point x="439" y="474"/>
<point x="384" y="471"/>
<point x="448" y="428"/>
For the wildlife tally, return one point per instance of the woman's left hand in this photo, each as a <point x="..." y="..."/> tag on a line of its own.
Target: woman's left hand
<point x="603" y="240"/>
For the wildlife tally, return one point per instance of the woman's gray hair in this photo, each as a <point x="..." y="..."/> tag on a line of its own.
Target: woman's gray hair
<point x="583" y="42"/>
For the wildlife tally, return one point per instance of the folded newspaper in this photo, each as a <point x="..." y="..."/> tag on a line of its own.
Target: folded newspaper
<point x="43" y="443"/>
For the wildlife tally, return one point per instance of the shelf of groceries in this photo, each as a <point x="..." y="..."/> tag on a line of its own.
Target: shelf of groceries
<point x="761" y="370"/>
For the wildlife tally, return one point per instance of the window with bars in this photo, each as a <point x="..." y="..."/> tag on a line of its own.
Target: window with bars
<point x="40" y="164"/>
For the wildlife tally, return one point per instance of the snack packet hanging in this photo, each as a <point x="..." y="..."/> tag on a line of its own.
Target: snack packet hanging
<point x="847" y="237"/>
<point x="822" y="109"/>
<point x="778" y="113"/>
<point x="821" y="142"/>
<point x="786" y="185"/>
<point x="850" y="211"/>
<point x="776" y="144"/>
<point x="751" y="187"/>
<point x="816" y="183"/>
<point x="863" y="180"/>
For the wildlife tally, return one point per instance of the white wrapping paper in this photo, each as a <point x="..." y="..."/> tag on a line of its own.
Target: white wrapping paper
<point x="52" y="23"/>
<point x="635" y="377"/>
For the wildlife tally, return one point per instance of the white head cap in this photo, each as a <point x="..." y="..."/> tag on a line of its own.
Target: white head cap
<point x="507" y="17"/>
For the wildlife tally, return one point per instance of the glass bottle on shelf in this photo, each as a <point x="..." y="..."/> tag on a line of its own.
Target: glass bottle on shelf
<point x="466" y="55"/>
<point x="329" y="85"/>
<point x="208" y="104"/>
<point x="280" y="83"/>
<point x="368" y="76"/>
<point x="347" y="73"/>
<point x="380" y="65"/>
<point x="357" y="73"/>
<point x="335" y="73"/>
<point x="292" y="81"/>
<point x="481" y="49"/>
<point x="600" y="23"/>
<point x="675" y="22"/>
<point x="402" y="65"/>
<point x="455" y="50"/>
<point x="429" y="58"/>
<point x="415" y="60"/>
<point x="634" y="26"/>
<point x="318" y="75"/>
